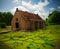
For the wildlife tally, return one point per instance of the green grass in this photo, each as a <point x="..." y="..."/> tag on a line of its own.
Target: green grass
<point x="4" y="46"/>
<point x="40" y="39"/>
<point x="5" y="29"/>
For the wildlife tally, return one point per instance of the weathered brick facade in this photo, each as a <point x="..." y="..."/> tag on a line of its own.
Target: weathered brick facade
<point x="23" y="20"/>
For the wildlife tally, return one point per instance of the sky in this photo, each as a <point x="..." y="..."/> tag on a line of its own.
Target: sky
<point x="41" y="7"/>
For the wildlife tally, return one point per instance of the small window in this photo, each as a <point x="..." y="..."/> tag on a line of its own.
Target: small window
<point x="16" y="19"/>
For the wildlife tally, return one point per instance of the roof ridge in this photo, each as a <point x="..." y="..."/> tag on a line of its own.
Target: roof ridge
<point x="27" y="15"/>
<point x="26" y="11"/>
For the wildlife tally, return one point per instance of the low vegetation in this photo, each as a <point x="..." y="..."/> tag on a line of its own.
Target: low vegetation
<point x="5" y="29"/>
<point x="40" y="39"/>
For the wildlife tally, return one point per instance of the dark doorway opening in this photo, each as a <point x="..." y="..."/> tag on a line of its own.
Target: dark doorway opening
<point x="36" y="25"/>
<point x="17" y="25"/>
<point x="40" y="26"/>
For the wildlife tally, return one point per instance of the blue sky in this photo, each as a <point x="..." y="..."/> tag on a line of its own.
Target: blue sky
<point x="41" y="7"/>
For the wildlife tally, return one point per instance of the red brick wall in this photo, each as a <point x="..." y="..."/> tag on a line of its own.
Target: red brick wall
<point x="23" y="24"/>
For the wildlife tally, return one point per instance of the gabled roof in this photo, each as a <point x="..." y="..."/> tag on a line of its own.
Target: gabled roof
<point x="29" y="16"/>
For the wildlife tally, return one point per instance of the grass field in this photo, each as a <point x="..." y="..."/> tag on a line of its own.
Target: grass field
<point x="5" y="29"/>
<point x="40" y="39"/>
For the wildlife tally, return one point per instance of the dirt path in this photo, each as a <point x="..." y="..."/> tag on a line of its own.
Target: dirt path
<point x="5" y="32"/>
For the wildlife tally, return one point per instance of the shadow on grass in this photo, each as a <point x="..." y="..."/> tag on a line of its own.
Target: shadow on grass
<point x="4" y="46"/>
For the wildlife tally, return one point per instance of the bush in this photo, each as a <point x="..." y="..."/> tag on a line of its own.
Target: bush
<point x="3" y="25"/>
<point x="28" y="47"/>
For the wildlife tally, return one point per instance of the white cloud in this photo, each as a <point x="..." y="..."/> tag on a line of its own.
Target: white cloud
<point x="58" y="7"/>
<point x="28" y="5"/>
<point x="52" y="9"/>
<point x="20" y="8"/>
<point x="15" y="0"/>
<point x="35" y="8"/>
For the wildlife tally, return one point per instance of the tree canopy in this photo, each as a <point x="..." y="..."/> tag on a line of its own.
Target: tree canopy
<point x="5" y="18"/>
<point x="54" y="18"/>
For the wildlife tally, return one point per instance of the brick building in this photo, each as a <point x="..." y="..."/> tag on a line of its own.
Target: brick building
<point x="23" y="20"/>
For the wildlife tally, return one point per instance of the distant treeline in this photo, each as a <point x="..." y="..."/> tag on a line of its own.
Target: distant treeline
<point x="53" y="18"/>
<point x="5" y="19"/>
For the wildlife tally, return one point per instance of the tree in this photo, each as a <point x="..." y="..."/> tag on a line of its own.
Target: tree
<point x="54" y="18"/>
<point x="5" y="18"/>
<point x="8" y="17"/>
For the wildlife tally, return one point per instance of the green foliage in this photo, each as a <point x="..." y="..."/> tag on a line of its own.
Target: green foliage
<point x="53" y="18"/>
<point x="28" y="47"/>
<point x="21" y="43"/>
<point x="3" y="25"/>
<point x="4" y="46"/>
<point x="42" y="39"/>
<point x="6" y="17"/>
<point x="38" y="48"/>
<point x="11" y="38"/>
<point x="46" y="22"/>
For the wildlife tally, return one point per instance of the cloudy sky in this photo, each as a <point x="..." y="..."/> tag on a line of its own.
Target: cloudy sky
<point x="41" y="7"/>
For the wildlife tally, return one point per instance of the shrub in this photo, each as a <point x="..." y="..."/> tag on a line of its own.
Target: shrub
<point x="3" y="25"/>
<point x="38" y="48"/>
<point x="28" y="47"/>
<point x="21" y="43"/>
